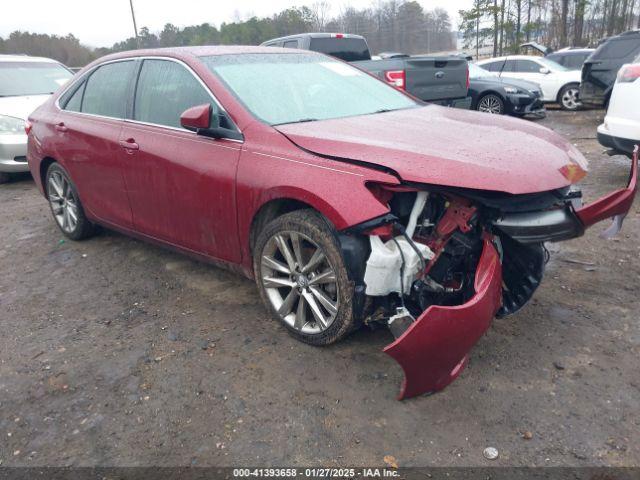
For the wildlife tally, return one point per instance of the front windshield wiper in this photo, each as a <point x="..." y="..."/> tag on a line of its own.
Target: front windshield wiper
<point x="302" y="120"/>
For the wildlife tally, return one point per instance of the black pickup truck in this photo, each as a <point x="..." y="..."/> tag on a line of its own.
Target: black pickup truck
<point x="442" y="80"/>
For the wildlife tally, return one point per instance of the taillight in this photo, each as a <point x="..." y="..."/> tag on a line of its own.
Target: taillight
<point x="27" y="126"/>
<point x="338" y="35"/>
<point x="629" y="73"/>
<point x="468" y="82"/>
<point x="396" y="78"/>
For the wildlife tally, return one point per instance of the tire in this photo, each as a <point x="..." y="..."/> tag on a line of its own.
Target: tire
<point x="65" y="204"/>
<point x="568" y="97"/>
<point x="4" y="177"/>
<point x="306" y="288"/>
<point x="491" y="103"/>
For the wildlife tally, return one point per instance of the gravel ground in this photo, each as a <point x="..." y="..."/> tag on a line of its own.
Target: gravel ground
<point x="114" y="352"/>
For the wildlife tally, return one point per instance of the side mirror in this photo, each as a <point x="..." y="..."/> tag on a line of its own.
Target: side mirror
<point x="198" y="118"/>
<point x="205" y="120"/>
<point x="544" y="70"/>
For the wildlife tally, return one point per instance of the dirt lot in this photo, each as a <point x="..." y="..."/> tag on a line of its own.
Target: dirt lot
<point x="114" y="352"/>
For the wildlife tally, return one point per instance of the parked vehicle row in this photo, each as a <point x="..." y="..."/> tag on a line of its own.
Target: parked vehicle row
<point x="347" y="200"/>
<point x="25" y="83"/>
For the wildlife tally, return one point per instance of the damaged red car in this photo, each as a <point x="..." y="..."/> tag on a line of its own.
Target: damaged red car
<point x="347" y="200"/>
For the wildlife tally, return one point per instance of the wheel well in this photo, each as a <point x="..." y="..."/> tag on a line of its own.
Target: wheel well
<point x="271" y="210"/>
<point x="44" y="166"/>
<point x="559" y="97"/>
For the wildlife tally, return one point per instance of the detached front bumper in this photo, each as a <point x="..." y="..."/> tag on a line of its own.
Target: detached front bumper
<point x="434" y="349"/>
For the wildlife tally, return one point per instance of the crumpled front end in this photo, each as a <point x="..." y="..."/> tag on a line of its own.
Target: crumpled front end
<point x="443" y="264"/>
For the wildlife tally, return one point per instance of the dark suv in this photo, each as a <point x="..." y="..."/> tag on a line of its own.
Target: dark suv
<point x="600" y="69"/>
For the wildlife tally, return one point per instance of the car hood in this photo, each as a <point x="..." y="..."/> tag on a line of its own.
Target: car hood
<point x="22" y="106"/>
<point x="448" y="147"/>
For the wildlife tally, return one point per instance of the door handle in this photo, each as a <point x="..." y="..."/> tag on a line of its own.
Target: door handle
<point x="129" y="144"/>
<point x="61" y="127"/>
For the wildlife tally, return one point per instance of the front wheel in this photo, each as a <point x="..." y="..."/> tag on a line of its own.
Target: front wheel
<point x="65" y="204"/>
<point x="4" y="177"/>
<point x="302" y="278"/>
<point x="491" y="103"/>
<point x="568" y="97"/>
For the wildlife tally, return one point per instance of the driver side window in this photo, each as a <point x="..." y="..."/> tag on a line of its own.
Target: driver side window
<point x="164" y="90"/>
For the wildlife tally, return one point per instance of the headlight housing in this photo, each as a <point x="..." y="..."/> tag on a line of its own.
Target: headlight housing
<point x="511" y="90"/>
<point x="11" y="125"/>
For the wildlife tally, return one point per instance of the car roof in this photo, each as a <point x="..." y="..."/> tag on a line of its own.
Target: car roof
<point x="25" y="58"/>
<point x="199" y="51"/>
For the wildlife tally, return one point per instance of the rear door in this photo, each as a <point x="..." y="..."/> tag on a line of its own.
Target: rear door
<point x="181" y="185"/>
<point x="88" y="133"/>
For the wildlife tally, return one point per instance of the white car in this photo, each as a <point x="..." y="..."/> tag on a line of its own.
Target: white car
<point x="558" y="84"/>
<point x="25" y="83"/>
<point x="621" y="128"/>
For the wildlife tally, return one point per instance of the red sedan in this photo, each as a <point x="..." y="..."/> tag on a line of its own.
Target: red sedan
<point x="349" y="201"/>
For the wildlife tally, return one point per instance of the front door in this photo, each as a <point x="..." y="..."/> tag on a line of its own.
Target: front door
<point x="181" y="185"/>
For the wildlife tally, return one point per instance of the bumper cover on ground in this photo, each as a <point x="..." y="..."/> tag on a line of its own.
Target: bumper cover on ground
<point x="434" y="349"/>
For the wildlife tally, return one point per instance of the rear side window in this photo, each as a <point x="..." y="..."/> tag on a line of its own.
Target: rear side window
<point x="347" y="49"/>
<point x="165" y="89"/>
<point x="509" y="66"/>
<point x="618" y="48"/>
<point x="107" y="90"/>
<point x="290" y="44"/>
<point x="493" y="66"/>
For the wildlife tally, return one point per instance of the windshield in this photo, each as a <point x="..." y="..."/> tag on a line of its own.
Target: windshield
<point x="31" y="78"/>
<point x="289" y="88"/>
<point x="551" y="65"/>
<point x="476" y="71"/>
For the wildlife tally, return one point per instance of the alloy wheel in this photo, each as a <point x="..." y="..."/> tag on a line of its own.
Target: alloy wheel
<point x="570" y="99"/>
<point x="64" y="203"/>
<point x="300" y="282"/>
<point x="490" y="104"/>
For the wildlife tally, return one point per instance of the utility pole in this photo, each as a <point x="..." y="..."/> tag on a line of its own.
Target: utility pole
<point x="135" y="27"/>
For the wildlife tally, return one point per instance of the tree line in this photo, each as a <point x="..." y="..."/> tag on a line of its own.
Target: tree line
<point x="506" y="24"/>
<point x="390" y="25"/>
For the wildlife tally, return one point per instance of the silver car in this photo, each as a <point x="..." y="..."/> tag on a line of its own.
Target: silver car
<point x="25" y="83"/>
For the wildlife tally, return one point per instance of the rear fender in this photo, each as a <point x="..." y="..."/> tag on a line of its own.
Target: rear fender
<point x="434" y="349"/>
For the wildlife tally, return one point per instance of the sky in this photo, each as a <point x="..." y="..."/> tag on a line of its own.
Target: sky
<point x="101" y="23"/>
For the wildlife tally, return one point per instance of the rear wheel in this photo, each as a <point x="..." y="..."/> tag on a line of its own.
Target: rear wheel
<point x="302" y="277"/>
<point x="4" y="177"/>
<point x="491" y="103"/>
<point x="65" y="204"/>
<point x="568" y="97"/>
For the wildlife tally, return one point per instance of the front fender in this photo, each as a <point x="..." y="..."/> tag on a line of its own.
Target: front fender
<point x="435" y="348"/>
